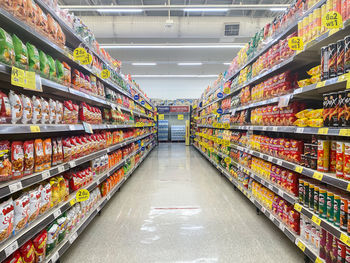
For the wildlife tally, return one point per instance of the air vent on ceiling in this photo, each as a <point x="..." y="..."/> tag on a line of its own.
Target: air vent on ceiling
<point x="231" y="30"/>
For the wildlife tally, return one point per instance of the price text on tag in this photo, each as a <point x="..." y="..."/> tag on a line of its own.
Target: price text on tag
<point x="332" y="20"/>
<point x="180" y="116"/>
<point x="161" y="117"/>
<point x="296" y="43"/>
<point x="79" y="53"/>
<point x="87" y="59"/>
<point x="82" y="195"/>
<point x="105" y="74"/>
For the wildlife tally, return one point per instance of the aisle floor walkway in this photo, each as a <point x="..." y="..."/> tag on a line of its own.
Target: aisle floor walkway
<point x="177" y="208"/>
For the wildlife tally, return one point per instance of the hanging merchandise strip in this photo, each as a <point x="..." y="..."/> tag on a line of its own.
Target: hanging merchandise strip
<point x="10" y="187"/>
<point x="290" y="234"/>
<point x="36" y="226"/>
<point x="68" y="241"/>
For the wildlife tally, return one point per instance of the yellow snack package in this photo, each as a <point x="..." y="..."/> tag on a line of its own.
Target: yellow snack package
<point x="301" y="122"/>
<point x="316" y="123"/>
<point x="315" y="79"/>
<point x="314" y="71"/>
<point x="303" y="114"/>
<point x="304" y="82"/>
<point x="315" y="114"/>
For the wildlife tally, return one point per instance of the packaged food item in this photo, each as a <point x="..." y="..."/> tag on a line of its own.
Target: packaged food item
<point x="63" y="188"/>
<point x="6" y="219"/>
<point x="7" y="53"/>
<point x="17" y="159"/>
<point x="52" y="67"/>
<point x="340" y="56"/>
<point x="55" y="193"/>
<point x="34" y="203"/>
<point x="66" y="73"/>
<point x="45" y="111"/>
<point x="14" y="258"/>
<point x="5" y="164"/>
<point x="52" y="27"/>
<point x="323" y="155"/>
<point x="21" y="55"/>
<point x="21" y="207"/>
<point x="324" y="63"/>
<point x="27" y="109"/>
<point x="59" y="71"/>
<point x="44" y="64"/>
<point x="28" y="148"/>
<point x="37" y="110"/>
<point x="39" y="243"/>
<point x="45" y="202"/>
<point x="52" y="111"/>
<point x="27" y="252"/>
<point x="59" y="112"/>
<point x="347" y="161"/>
<point x="39" y="155"/>
<point x="32" y="13"/>
<point x="333" y="157"/>
<point x="5" y="108"/>
<point x="47" y="153"/>
<point x="52" y="235"/>
<point x="301" y="122"/>
<point x="16" y="107"/>
<point x="315" y="114"/>
<point x="315" y="122"/>
<point x="62" y="224"/>
<point x="33" y="57"/>
<point x="303" y="114"/>
<point x="314" y="71"/>
<point x="347" y="54"/>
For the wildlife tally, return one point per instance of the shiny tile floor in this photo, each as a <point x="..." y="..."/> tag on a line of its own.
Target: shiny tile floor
<point x="177" y="208"/>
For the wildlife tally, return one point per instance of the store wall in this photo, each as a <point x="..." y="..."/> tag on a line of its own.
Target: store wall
<point x="174" y="88"/>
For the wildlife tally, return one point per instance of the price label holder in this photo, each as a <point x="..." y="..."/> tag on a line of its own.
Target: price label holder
<point x="316" y="220"/>
<point x="332" y="20"/>
<point x="298" y="169"/>
<point x="15" y="187"/>
<point x="226" y="126"/>
<point x="87" y="127"/>
<point x="227" y="160"/>
<point x="284" y="100"/>
<point x="345" y="239"/>
<point x="344" y="132"/>
<point x="320" y="84"/>
<point x="73" y="237"/>
<point x="161" y="117"/>
<point x="180" y="117"/>
<point x="227" y="90"/>
<point x="296" y="43"/>
<point x="79" y="53"/>
<point x="55" y="257"/>
<point x="82" y="195"/>
<point x="298" y="207"/>
<point x="57" y="213"/>
<point x="11" y="248"/>
<point x="301" y="245"/>
<point x="317" y="176"/>
<point x="34" y="128"/>
<point x="72" y="202"/>
<point x="45" y="175"/>
<point x="105" y="74"/>
<point x="323" y="131"/>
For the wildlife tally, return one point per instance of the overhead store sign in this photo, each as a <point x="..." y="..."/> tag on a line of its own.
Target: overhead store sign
<point x="179" y="108"/>
<point x="163" y="109"/>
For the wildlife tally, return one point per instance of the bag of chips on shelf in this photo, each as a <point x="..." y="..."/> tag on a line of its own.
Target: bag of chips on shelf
<point x="39" y="243"/>
<point x="303" y="122"/>
<point x="32" y="13"/>
<point x="44" y="64"/>
<point x="36" y="102"/>
<point x="17" y="159"/>
<point x="14" y="258"/>
<point x="52" y="235"/>
<point x="45" y="202"/>
<point x="28" y="148"/>
<point x="66" y="73"/>
<point x="59" y="71"/>
<point x="62" y="223"/>
<point x="45" y="110"/>
<point x="52" y="111"/>
<point x="5" y="163"/>
<point x="317" y="123"/>
<point x="21" y="207"/>
<point x="59" y="112"/>
<point x="5" y="108"/>
<point x="33" y="57"/>
<point x="27" y="252"/>
<point x="47" y="146"/>
<point x="314" y="71"/>
<point x="55" y="193"/>
<point x="39" y="155"/>
<point x="16" y="107"/>
<point x="52" y="67"/>
<point x="7" y="53"/>
<point x="6" y="219"/>
<point x="34" y="203"/>
<point x="27" y="109"/>
<point x="315" y="114"/>
<point x="21" y="54"/>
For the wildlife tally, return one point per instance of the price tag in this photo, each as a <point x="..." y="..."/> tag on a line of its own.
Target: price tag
<point x="73" y="237"/>
<point x="79" y="53"/>
<point x="301" y="245"/>
<point x="87" y="127"/>
<point x="263" y="209"/>
<point x="45" y="175"/>
<point x="317" y="176"/>
<point x="274" y="128"/>
<point x="226" y="126"/>
<point x="82" y="195"/>
<point x="271" y="217"/>
<point x="15" y="187"/>
<point x="323" y="131"/>
<point x="105" y="74"/>
<point x="161" y="117"/>
<point x="231" y="179"/>
<point x="348" y="187"/>
<point x="34" y="128"/>
<point x="270" y="187"/>
<point x="227" y="90"/>
<point x="72" y="164"/>
<point x="57" y="213"/>
<point x="220" y="95"/>
<point x="60" y="168"/>
<point x="320" y="84"/>
<point x="316" y="220"/>
<point x="298" y="207"/>
<point x="24" y="79"/>
<point x="296" y="43"/>
<point x="180" y="117"/>
<point x="298" y="169"/>
<point x="227" y="160"/>
<point x="220" y="125"/>
<point x="279" y="162"/>
<point x="344" y="132"/>
<point x="284" y="100"/>
<point x="55" y="257"/>
<point x="318" y="260"/>
<point x="72" y="202"/>
<point x="269" y="158"/>
<point x="87" y="59"/>
<point x="332" y="20"/>
<point x="345" y="239"/>
<point x="11" y="248"/>
<point x="300" y="130"/>
<point x="226" y="142"/>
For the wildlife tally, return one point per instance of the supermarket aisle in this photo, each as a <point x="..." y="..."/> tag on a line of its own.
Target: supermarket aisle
<point x="176" y="208"/>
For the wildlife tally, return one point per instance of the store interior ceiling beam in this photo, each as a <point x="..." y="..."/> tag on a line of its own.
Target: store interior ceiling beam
<point x="189" y="8"/>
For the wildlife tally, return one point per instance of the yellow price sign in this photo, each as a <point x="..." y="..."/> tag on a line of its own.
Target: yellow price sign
<point x="345" y="239"/>
<point x="161" y="117"/>
<point x="301" y="245"/>
<point x="316" y="220"/>
<point x="226" y="126"/>
<point x="72" y="202"/>
<point x="298" y="207"/>
<point x="298" y="169"/>
<point x="79" y="53"/>
<point x="194" y="107"/>
<point x="344" y="132"/>
<point x="227" y="160"/>
<point x="17" y="77"/>
<point x="320" y="84"/>
<point x="105" y="74"/>
<point x="317" y="176"/>
<point x="323" y="131"/>
<point x="215" y="124"/>
<point x="180" y="117"/>
<point x="226" y="142"/>
<point x="318" y="260"/>
<point x="220" y="125"/>
<point x="296" y="43"/>
<point x="348" y="187"/>
<point x="34" y="128"/>
<point x="227" y="90"/>
<point x="332" y="20"/>
<point x="24" y="79"/>
<point x="82" y="195"/>
<point x="348" y="81"/>
<point x="86" y="60"/>
<point x="142" y="143"/>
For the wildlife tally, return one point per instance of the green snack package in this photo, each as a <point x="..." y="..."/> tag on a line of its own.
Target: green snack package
<point x="7" y="53"/>
<point x="21" y="55"/>
<point x="62" y="224"/>
<point x="44" y="65"/>
<point x="59" y="70"/>
<point x="33" y="56"/>
<point x="52" y="237"/>
<point x="52" y="66"/>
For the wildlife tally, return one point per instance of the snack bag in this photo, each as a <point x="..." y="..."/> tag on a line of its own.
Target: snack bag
<point x="6" y="219"/>
<point x="28" y="148"/>
<point x="45" y="198"/>
<point x="52" y="234"/>
<point x="44" y="64"/>
<point x="21" y="55"/>
<point x="21" y="207"/>
<point x="52" y="111"/>
<point x="34" y="203"/>
<point x="37" y="111"/>
<point x="63" y="189"/>
<point x="55" y="193"/>
<point x="59" y="71"/>
<point x="5" y="108"/>
<point x="66" y="73"/>
<point x="33" y="57"/>
<point x="62" y="224"/>
<point x="315" y="114"/>
<point x="316" y="123"/>
<point x="47" y="153"/>
<point x="39" y="155"/>
<point x="14" y="258"/>
<point x="7" y="53"/>
<point x="39" y="243"/>
<point x="27" y="109"/>
<point x="32" y="13"/>
<point x="45" y="109"/>
<point x="17" y="159"/>
<point x="27" y="252"/>
<point x="16" y="107"/>
<point x="5" y="164"/>
<point x="52" y="67"/>
<point x="303" y="114"/>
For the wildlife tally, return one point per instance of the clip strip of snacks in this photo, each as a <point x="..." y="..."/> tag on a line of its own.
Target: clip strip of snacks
<point x="277" y="124"/>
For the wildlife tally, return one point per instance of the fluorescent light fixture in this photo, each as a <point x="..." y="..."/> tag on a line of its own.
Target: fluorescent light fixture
<point x="144" y="64"/>
<point x="205" y="9"/>
<point x="175" y="76"/>
<point x="119" y="10"/>
<point x="123" y="46"/>
<point x="227" y="63"/>
<point x="278" y="9"/>
<point x="190" y="63"/>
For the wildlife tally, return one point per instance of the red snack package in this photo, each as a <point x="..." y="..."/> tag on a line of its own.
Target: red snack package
<point x="28" y="148"/>
<point x="39" y="155"/>
<point x="17" y="159"/>
<point x="5" y="163"/>
<point x="14" y="258"/>
<point x="68" y="112"/>
<point x="67" y="150"/>
<point x="5" y="108"/>
<point x="27" y="252"/>
<point x="39" y="243"/>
